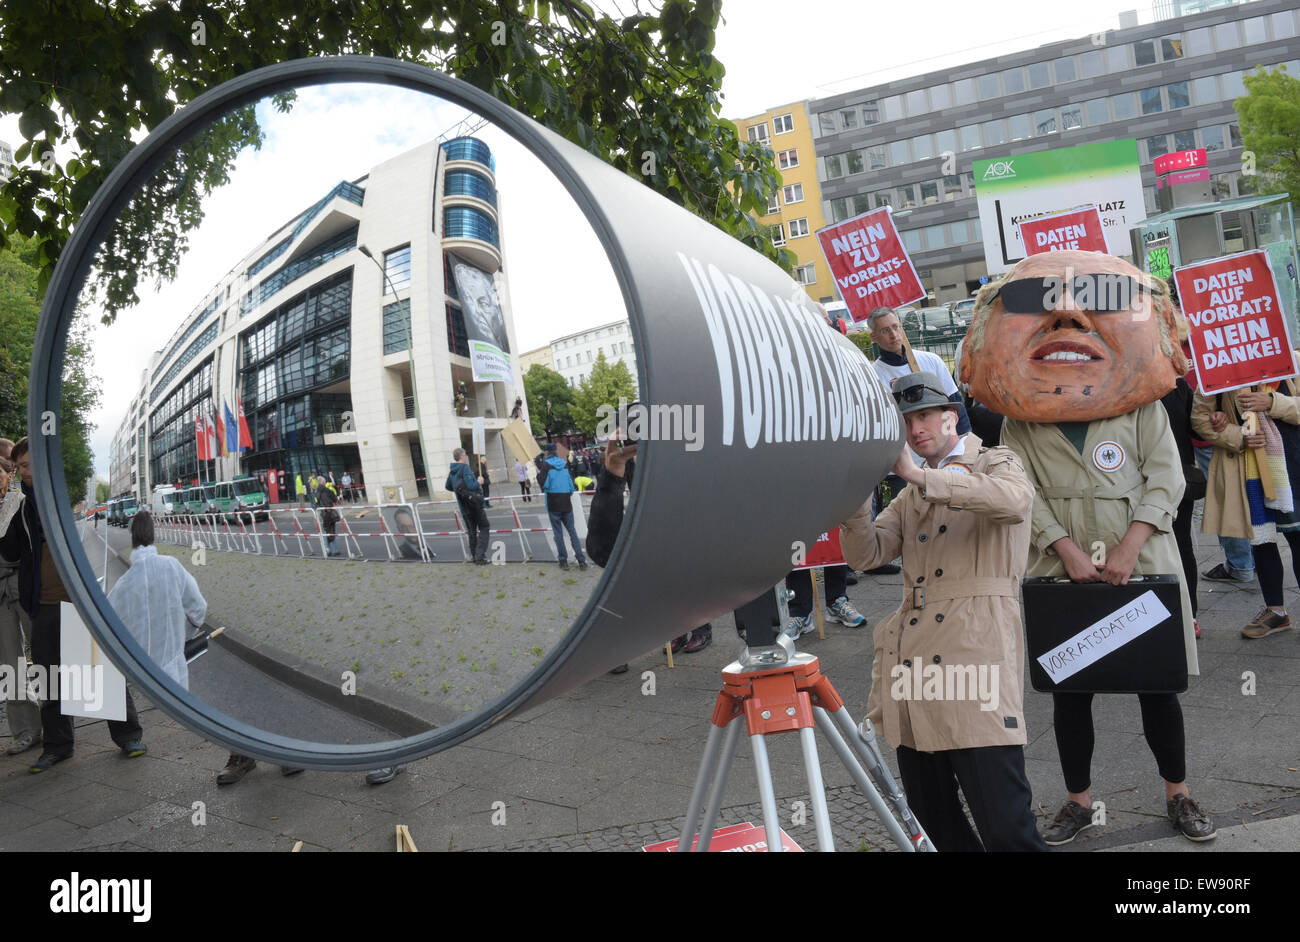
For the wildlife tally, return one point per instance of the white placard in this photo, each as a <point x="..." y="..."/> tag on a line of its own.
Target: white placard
<point x="89" y="684"/>
<point x="478" y="435"/>
<point x="1104" y="637"/>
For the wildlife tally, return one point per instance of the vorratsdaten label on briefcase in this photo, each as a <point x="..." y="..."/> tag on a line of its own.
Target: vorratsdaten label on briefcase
<point x="1104" y="636"/>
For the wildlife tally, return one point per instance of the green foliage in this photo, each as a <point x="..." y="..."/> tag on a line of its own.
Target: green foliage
<point x="604" y="387"/>
<point x="101" y="495"/>
<point x="550" y="401"/>
<point x="92" y="77"/>
<point x="862" y="340"/>
<point x="1270" y="128"/>
<point x="19" y="311"/>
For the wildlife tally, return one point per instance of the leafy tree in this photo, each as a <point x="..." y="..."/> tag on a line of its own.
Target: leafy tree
<point x="642" y="92"/>
<point x="1270" y="126"/>
<point x="550" y="401"/>
<point x="606" y="385"/>
<point x="101" y="492"/>
<point x="19" y="310"/>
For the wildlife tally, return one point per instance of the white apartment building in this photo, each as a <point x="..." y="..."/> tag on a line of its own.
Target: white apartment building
<point x="574" y="354"/>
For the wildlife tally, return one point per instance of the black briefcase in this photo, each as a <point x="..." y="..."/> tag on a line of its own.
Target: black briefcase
<point x="1093" y="637"/>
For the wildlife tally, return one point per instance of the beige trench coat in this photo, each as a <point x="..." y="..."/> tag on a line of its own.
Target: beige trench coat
<point x="964" y="539"/>
<point x="1226" y="511"/>
<point x="1146" y="485"/>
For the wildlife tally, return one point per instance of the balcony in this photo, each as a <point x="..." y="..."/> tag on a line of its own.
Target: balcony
<point x="469" y="148"/>
<point x="472" y="233"/>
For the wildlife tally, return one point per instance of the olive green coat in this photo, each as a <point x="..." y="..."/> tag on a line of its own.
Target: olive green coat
<point x="1147" y="485"/>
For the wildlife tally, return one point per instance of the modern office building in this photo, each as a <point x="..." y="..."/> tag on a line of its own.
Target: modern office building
<point x="343" y="335"/>
<point x="796" y="213"/>
<point x="1170" y="84"/>
<point x="542" y="356"/>
<point x="574" y="354"/>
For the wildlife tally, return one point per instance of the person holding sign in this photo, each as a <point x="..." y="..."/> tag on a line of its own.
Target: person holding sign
<point x="1235" y="502"/>
<point x="1076" y="349"/>
<point x="962" y="526"/>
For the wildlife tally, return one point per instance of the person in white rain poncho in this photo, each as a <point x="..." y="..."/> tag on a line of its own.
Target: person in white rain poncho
<point x="156" y="598"/>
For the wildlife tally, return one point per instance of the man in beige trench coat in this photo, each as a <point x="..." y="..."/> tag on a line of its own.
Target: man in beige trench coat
<point x="946" y="679"/>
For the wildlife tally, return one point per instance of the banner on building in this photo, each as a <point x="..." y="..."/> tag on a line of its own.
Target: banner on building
<point x="485" y="323"/>
<point x="1237" y="329"/>
<point x="869" y="264"/>
<point x="1073" y="230"/>
<point x="1012" y="189"/>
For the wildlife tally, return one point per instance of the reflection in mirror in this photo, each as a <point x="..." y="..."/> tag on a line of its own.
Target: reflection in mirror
<point x="374" y="283"/>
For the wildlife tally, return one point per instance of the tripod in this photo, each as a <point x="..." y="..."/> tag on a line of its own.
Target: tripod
<point x="779" y="690"/>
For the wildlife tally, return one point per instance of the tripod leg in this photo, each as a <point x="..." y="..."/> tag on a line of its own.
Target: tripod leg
<point x="766" y="793"/>
<point x="719" y="786"/>
<point x="703" y="779"/>
<point x="817" y="791"/>
<point x="863" y="742"/>
<point x="861" y="779"/>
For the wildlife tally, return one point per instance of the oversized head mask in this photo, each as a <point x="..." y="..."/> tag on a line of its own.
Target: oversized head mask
<point x="1072" y="337"/>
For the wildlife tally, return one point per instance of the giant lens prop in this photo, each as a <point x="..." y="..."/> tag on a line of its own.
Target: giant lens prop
<point x="355" y="299"/>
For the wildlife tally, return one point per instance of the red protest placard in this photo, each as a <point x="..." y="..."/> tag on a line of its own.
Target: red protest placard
<point x="1075" y="229"/>
<point x="825" y="552"/>
<point x="742" y="838"/>
<point x="869" y="263"/>
<point x="1239" y="333"/>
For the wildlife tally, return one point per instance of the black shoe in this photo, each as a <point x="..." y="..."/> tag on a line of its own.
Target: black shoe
<point x="235" y="769"/>
<point x="699" y="641"/>
<point x="889" y="569"/>
<point x="47" y="760"/>
<point x="621" y="669"/>
<point x="582" y="564"/>
<point x="1072" y="819"/>
<point x="850" y="579"/>
<point x="1190" y="821"/>
<point x="564" y="564"/>
<point x="135" y="749"/>
<point x="1221" y="573"/>
<point x="287" y="770"/>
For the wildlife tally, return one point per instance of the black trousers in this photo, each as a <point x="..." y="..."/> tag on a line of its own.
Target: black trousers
<point x="524" y="488"/>
<point x="1162" y="725"/>
<point x="476" y="522"/>
<point x="993" y="780"/>
<point x="56" y="729"/>
<point x="800" y="583"/>
<point x="1268" y="566"/>
<point x="1186" y="548"/>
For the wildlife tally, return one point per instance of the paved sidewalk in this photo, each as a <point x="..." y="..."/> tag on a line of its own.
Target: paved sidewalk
<point x="608" y="768"/>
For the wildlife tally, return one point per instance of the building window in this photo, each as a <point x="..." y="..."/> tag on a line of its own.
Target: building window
<point x="1171" y="48"/>
<point x="792" y="193"/>
<point x="826" y="121"/>
<point x="798" y="228"/>
<point x="963" y="91"/>
<point x="773" y="205"/>
<point x="1013" y="81"/>
<point x="1234" y="134"/>
<point x="1021" y="127"/>
<point x="951" y="188"/>
<point x="1091" y="64"/>
<point x="1157" y="146"/>
<point x="1178" y="95"/>
<point x="1233" y="87"/>
<point x="945" y="142"/>
<point x="929" y="192"/>
<point x="1145" y="52"/>
<point x="906" y="197"/>
<point x="1212" y="138"/>
<point x="806" y="274"/>
<point x="891" y="108"/>
<point x="940" y="97"/>
<point x="876" y="157"/>
<point x="1071" y="117"/>
<point x="915" y="102"/>
<point x="397" y="269"/>
<point x="1125" y="106"/>
<point x="834" y="166"/>
<point x="970" y="137"/>
<point x="1064" y="70"/>
<point x="1225" y="37"/>
<point x="870" y="113"/>
<point x="1040" y="74"/>
<point x="783" y="124"/>
<point x="787" y="159"/>
<point x="839" y="209"/>
<point x="988" y="86"/>
<point x="1150" y="98"/>
<point x="880" y="198"/>
<point x="898" y="154"/>
<point x="1283" y="25"/>
<point x="848" y="119"/>
<point x="757" y="133"/>
<point x="777" y="233"/>
<point x="1205" y="91"/>
<point x="1117" y="59"/>
<point x="1256" y="30"/>
<point x="1045" y="121"/>
<point x="995" y="133"/>
<point x="1185" y="140"/>
<point x="861" y="204"/>
<point x="853" y="160"/>
<point x="922" y="147"/>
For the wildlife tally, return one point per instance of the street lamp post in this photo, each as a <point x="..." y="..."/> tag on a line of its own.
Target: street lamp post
<point x="410" y="360"/>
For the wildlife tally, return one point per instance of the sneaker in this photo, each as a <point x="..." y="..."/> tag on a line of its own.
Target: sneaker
<point x="47" y="761"/>
<point x="1267" y="622"/>
<point x="1221" y="573"/>
<point x="799" y="626"/>
<point x="845" y="614"/>
<point x="1190" y="821"/>
<point x="621" y="669"/>
<point x="135" y="749"/>
<point x="386" y="774"/>
<point x="564" y="564"/>
<point x="1069" y="821"/>
<point x="235" y="769"/>
<point x="699" y="641"/>
<point x="889" y="569"/>
<point x="582" y="564"/>
<point x="23" y="741"/>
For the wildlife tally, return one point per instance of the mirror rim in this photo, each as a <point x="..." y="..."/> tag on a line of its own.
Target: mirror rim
<point x="49" y="349"/>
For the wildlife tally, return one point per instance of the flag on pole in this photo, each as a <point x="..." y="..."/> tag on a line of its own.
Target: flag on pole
<point x="221" y="436"/>
<point x="232" y="432"/>
<point x="210" y="436"/>
<point x="245" y="437"/>
<point x="200" y="437"/>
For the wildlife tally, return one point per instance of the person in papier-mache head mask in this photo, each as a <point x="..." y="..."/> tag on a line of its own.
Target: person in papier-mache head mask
<point x="1076" y="349"/>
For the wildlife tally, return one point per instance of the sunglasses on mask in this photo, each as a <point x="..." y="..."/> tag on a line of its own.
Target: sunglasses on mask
<point x="914" y="394"/>
<point x="1098" y="292"/>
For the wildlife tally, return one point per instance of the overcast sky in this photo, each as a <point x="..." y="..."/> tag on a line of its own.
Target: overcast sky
<point x="772" y="58"/>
